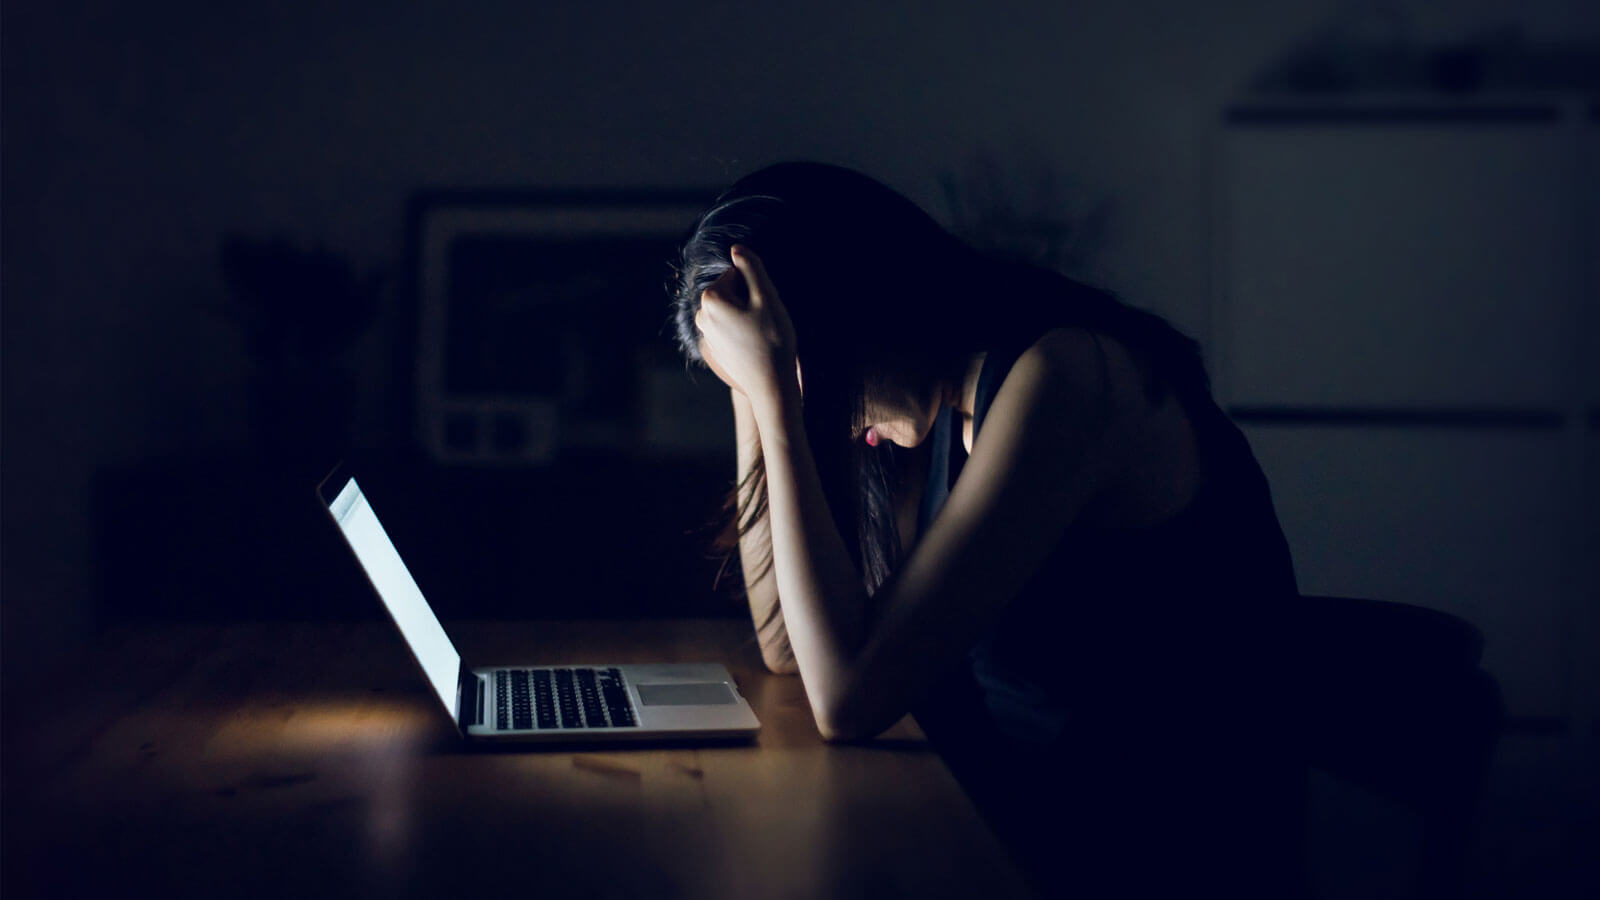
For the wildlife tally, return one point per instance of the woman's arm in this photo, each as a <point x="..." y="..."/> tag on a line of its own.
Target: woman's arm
<point x="1035" y="466"/>
<point x="755" y="548"/>
<point x="1040" y="459"/>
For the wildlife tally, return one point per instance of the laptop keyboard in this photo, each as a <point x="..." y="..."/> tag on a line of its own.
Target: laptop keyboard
<point x="528" y="699"/>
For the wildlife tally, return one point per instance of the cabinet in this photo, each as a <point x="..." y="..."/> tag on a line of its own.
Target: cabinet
<point x="1404" y="326"/>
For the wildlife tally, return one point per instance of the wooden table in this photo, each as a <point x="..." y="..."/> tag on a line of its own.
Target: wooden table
<point x="309" y="759"/>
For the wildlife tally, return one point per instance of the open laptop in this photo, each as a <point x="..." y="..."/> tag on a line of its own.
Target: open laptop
<point x="536" y="703"/>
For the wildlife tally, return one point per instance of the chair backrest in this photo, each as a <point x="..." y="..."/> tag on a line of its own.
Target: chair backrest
<point x="1394" y="697"/>
<point x="1392" y="636"/>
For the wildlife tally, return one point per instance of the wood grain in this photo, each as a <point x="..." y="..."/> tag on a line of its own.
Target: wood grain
<point x="310" y="759"/>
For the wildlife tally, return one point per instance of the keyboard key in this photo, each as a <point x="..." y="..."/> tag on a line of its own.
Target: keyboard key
<point x="521" y="701"/>
<point x="545" y="704"/>
<point x="615" y="698"/>
<point x="526" y="699"/>
<point x="589" y="696"/>
<point x="567" y="699"/>
<point x="502" y="699"/>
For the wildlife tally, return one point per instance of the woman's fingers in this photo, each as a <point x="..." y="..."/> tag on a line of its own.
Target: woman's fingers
<point x="764" y="295"/>
<point x="754" y="272"/>
<point x="745" y="335"/>
<point x="730" y="288"/>
<point x="713" y="301"/>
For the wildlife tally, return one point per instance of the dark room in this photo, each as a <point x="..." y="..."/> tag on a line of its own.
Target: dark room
<point x="1193" y="492"/>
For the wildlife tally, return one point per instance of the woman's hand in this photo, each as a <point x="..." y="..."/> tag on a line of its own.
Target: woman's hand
<point x="745" y="333"/>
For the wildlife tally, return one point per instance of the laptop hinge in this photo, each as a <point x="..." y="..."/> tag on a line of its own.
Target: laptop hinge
<point x="469" y="699"/>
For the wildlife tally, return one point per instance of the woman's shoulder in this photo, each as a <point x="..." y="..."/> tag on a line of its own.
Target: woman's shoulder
<point x="1065" y="345"/>
<point x="1067" y="387"/>
<point x="1144" y="446"/>
<point x="1080" y="364"/>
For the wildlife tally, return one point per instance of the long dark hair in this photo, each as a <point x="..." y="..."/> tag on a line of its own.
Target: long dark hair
<point x="877" y="289"/>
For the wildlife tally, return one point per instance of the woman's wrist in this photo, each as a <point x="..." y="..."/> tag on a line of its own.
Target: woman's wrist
<point x="774" y="382"/>
<point x="772" y="403"/>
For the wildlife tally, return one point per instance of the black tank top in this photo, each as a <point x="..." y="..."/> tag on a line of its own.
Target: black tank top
<point x="1139" y="670"/>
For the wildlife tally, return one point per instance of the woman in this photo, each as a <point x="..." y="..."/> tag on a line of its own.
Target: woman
<point x="1005" y="501"/>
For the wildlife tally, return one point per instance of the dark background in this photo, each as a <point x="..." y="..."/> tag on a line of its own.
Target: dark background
<point x="136" y="138"/>
<point x="138" y="479"/>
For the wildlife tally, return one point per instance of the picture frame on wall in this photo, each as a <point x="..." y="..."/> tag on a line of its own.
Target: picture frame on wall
<point x="542" y="321"/>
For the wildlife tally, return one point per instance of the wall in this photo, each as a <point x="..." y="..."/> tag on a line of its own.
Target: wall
<point x="135" y="135"/>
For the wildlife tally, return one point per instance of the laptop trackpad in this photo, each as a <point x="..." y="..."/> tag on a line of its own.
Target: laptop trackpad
<point x="695" y="693"/>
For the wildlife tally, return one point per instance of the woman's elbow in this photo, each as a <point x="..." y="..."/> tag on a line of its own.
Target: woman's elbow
<point x="836" y="734"/>
<point x="840" y="723"/>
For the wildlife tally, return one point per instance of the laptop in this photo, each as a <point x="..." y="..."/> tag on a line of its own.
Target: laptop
<point x="540" y="704"/>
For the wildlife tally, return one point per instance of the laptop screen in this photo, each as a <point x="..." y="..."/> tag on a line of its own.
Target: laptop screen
<point x="377" y="555"/>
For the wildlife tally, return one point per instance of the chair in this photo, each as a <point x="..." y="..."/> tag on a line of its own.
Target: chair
<point x="1399" y="705"/>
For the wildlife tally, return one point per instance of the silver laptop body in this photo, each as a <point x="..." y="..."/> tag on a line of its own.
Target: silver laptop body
<point x="580" y="704"/>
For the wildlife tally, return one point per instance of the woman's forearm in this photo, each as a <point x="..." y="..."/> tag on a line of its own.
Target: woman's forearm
<point x="755" y="548"/>
<point x="820" y="592"/>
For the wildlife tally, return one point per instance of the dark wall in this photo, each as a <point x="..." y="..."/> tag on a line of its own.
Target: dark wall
<point x="136" y="135"/>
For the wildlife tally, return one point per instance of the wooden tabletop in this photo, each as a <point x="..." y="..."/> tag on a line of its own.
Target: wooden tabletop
<point x="310" y="759"/>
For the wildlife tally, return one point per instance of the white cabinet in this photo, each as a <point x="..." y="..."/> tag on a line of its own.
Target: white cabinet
<point x="1405" y="328"/>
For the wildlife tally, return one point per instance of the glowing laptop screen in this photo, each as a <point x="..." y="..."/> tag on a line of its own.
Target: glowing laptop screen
<point x="420" y="627"/>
